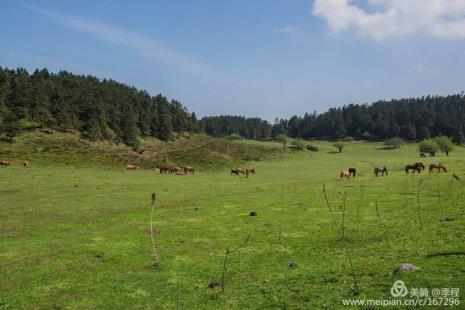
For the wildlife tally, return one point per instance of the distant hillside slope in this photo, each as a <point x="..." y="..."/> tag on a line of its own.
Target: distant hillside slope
<point x="98" y="109"/>
<point x="47" y="147"/>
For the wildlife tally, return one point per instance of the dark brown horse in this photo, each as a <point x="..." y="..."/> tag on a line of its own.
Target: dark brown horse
<point x="381" y="170"/>
<point x="237" y="171"/>
<point x="415" y="167"/>
<point x="352" y="171"/>
<point x="252" y="170"/>
<point x="438" y="167"/>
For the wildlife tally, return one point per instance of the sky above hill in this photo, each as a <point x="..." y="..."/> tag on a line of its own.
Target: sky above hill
<point x="266" y="58"/>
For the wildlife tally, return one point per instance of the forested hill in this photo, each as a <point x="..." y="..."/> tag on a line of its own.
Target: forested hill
<point x="105" y="109"/>
<point x="98" y="109"/>
<point x="411" y="119"/>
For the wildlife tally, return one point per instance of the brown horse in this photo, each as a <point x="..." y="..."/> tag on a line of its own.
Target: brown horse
<point x="438" y="167"/>
<point x="188" y="169"/>
<point x="25" y="164"/>
<point x="345" y="174"/>
<point x="176" y="170"/>
<point x="415" y="167"/>
<point x="252" y="170"/>
<point x="237" y="171"/>
<point x="5" y="163"/>
<point x="132" y="166"/>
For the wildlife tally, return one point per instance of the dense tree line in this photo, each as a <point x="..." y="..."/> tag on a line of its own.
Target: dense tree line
<point x="105" y="109"/>
<point x="98" y="109"/>
<point x="226" y="125"/>
<point x="412" y="119"/>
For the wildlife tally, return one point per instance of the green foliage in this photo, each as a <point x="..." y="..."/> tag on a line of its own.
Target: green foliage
<point x="282" y="138"/>
<point x="298" y="144"/>
<point x="26" y="124"/>
<point x="428" y="146"/>
<point x="444" y="144"/>
<point x="98" y="109"/>
<point x="394" y="142"/>
<point x="235" y="136"/>
<point x="312" y="148"/>
<point x="339" y="146"/>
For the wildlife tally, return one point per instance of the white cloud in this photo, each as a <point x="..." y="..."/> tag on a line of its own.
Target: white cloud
<point x="287" y="29"/>
<point x="144" y="46"/>
<point x="382" y="19"/>
<point x="421" y="69"/>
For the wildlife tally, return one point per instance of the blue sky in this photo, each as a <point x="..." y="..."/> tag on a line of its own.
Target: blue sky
<point x="267" y="58"/>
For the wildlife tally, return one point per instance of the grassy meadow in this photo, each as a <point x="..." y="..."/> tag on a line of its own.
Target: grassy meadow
<point x="77" y="236"/>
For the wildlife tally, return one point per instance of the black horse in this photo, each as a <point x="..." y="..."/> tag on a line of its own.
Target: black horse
<point x="352" y="171"/>
<point x="415" y="167"/>
<point x="381" y="170"/>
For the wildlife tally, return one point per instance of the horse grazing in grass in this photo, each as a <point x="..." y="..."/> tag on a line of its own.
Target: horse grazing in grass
<point x="345" y="174"/>
<point x="381" y="170"/>
<point x="132" y="166"/>
<point x="237" y="171"/>
<point x="438" y="167"/>
<point x="164" y="169"/>
<point x="352" y="171"/>
<point x="5" y="163"/>
<point x="188" y="169"/>
<point x="415" y="167"/>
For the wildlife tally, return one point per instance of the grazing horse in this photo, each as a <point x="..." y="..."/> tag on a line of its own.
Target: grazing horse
<point x="25" y="164"/>
<point x="422" y="167"/>
<point x="345" y="174"/>
<point x="162" y="169"/>
<point x="176" y="170"/>
<point x="352" y="171"/>
<point x="132" y="166"/>
<point x="381" y="170"/>
<point x="237" y="171"/>
<point x="422" y="155"/>
<point x="438" y="167"/>
<point x="188" y="169"/>
<point x="5" y="163"/>
<point x="415" y="167"/>
<point x="252" y="170"/>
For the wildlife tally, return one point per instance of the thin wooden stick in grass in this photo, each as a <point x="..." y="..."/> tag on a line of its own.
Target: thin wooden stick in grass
<point x="342" y="239"/>
<point x="154" y="249"/>
<point x="419" y="204"/>
<point x="343" y="214"/>
<point x="229" y="251"/>
<point x="377" y="212"/>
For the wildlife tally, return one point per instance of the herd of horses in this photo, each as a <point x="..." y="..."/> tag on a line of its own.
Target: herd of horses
<point x="166" y="169"/>
<point x="9" y="163"/>
<point x="183" y="170"/>
<point x="416" y="167"/>
<point x="243" y="171"/>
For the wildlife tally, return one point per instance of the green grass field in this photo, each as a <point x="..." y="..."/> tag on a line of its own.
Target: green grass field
<point x="79" y="237"/>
